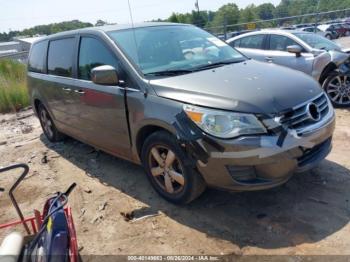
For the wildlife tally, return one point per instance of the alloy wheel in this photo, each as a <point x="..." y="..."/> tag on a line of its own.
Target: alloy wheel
<point x="166" y="169"/>
<point x="338" y="90"/>
<point x="46" y="123"/>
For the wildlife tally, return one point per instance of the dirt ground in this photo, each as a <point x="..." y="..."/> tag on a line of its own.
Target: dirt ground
<point x="308" y="215"/>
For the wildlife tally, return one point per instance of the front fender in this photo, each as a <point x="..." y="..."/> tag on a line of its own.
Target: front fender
<point x="338" y="58"/>
<point x="320" y="64"/>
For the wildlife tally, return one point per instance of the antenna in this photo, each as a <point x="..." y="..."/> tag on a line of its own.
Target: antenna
<point x="135" y="40"/>
<point x="133" y="31"/>
<point x="132" y="20"/>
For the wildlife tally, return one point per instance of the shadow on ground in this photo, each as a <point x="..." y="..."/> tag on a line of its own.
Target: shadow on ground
<point x="309" y="208"/>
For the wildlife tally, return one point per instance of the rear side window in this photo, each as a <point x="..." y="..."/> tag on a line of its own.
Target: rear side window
<point x="93" y="53"/>
<point x="280" y="43"/>
<point x="254" y="42"/>
<point x="37" y="58"/>
<point x="60" y="58"/>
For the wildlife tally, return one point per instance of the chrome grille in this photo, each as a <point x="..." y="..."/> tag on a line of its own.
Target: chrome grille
<point x="299" y="117"/>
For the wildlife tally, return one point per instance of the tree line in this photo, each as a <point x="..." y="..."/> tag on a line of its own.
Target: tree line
<point x="45" y="29"/>
<point x="228" y="14"/>
<point x="231" y="14"/>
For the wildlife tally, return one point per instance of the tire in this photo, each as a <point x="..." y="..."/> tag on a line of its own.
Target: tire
<point x="185" y="189"/>
<point x="48" y="126"/>
<point x="338" y="94"/>
<point x="329" y="37"/>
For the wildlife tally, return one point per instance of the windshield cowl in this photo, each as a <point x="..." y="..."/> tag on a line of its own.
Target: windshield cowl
<point x="207" y="66"/>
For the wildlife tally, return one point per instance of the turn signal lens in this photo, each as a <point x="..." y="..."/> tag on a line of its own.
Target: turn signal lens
<point x="195" y="116"/>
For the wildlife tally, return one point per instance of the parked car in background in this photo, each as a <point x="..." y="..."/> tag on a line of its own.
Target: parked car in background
<point x="237" y="33"/>
<point x="338" y="31"/>
<point x="286" y="28"/>
<point x="342" y="29"/>
<point x="303" y="51"/>
<point x="301" y="26"/>
<point x="233" y="34"/>
<point x="213" y="118"/>
<point x="312" y="29"/>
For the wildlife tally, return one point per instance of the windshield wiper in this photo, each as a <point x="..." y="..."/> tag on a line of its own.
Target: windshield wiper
<point x="169" y="72"/>
<point x="217" y="64"/>
<point x="175" y="72"/>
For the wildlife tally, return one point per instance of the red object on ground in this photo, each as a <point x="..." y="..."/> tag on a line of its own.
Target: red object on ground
<point x="73" y="243"/>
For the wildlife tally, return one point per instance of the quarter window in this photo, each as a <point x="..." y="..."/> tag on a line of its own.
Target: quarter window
<point x="92" y="54"/>
<point x="280" y="42"/>
<point x="37" y="58"/>
<point x="254" y="42"/>
<point x="60" y="58"/>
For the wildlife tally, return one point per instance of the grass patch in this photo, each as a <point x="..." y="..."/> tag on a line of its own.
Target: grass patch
<point x="13" y="87"/>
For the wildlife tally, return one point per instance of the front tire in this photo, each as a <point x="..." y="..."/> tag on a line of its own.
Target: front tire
<point x="337" y="87"/>
<point x="48" y="126"/>
<point x="169" y="170"/>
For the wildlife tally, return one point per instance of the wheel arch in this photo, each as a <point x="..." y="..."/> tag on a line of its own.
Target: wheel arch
<point x="328" y="69"/>
<point x="148" y="129"/>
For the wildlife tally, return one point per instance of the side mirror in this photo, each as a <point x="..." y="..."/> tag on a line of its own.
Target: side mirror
<point x="105" y="75"/>
<point x="295" y="49"/>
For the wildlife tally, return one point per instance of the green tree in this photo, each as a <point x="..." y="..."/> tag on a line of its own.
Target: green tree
<point x="248" y="14"/>
<point x="173" y="18"/>
<point x="101" y="23"/>
<point x="265" y="11"/>
<point x="228" y="14"/>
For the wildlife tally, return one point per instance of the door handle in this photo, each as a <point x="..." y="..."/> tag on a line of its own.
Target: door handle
<point x="66" y="89"/>
<point x="80" y="92"/>
<point x="269" y="59"/>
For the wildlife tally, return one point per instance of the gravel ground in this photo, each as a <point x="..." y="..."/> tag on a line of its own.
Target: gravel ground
<point x="308" y="215"/>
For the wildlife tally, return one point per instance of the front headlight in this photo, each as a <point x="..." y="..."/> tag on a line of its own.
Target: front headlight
<point x="224" y="124"/>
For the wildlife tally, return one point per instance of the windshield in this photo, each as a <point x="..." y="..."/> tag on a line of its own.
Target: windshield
<point x="173" y="48"/>
<point x="318" y="42"/>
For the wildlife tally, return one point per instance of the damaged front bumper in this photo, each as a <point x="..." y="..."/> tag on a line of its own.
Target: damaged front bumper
<point x="259" y="162"/>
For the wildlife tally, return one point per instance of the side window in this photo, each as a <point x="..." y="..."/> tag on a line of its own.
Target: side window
<point x="60" y="58"/>
<point x="236" y="43"/>
<point x="280" y="43"/>
<point x="92" y="54"/>
<point x="37" y="57"/>
<point x="254" y="42"/>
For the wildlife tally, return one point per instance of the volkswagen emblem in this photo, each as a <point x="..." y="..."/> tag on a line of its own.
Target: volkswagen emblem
<point x="313" y="112"/>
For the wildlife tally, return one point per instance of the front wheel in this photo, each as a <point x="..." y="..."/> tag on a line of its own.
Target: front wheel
<point x="168" y="169"/>
<point x="337" y="87"/>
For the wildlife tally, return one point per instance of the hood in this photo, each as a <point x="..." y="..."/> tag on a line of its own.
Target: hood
<point x="250" y="86"/>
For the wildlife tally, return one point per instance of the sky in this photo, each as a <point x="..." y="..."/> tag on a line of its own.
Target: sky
<point x="21" y="14"/>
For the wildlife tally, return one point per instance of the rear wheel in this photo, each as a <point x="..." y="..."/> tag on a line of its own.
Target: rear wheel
<point x="337" y="88"/>
<point x="168" y="169"/>
<point x="48" y="126"/>
<point x="328" y="36"/>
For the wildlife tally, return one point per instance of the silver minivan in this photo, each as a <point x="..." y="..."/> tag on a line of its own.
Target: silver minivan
<point x="307" y="52"/>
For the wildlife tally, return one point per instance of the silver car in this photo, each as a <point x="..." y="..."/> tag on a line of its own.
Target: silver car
<point x="303" y="51"/>
<point x="312" y="29"/>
